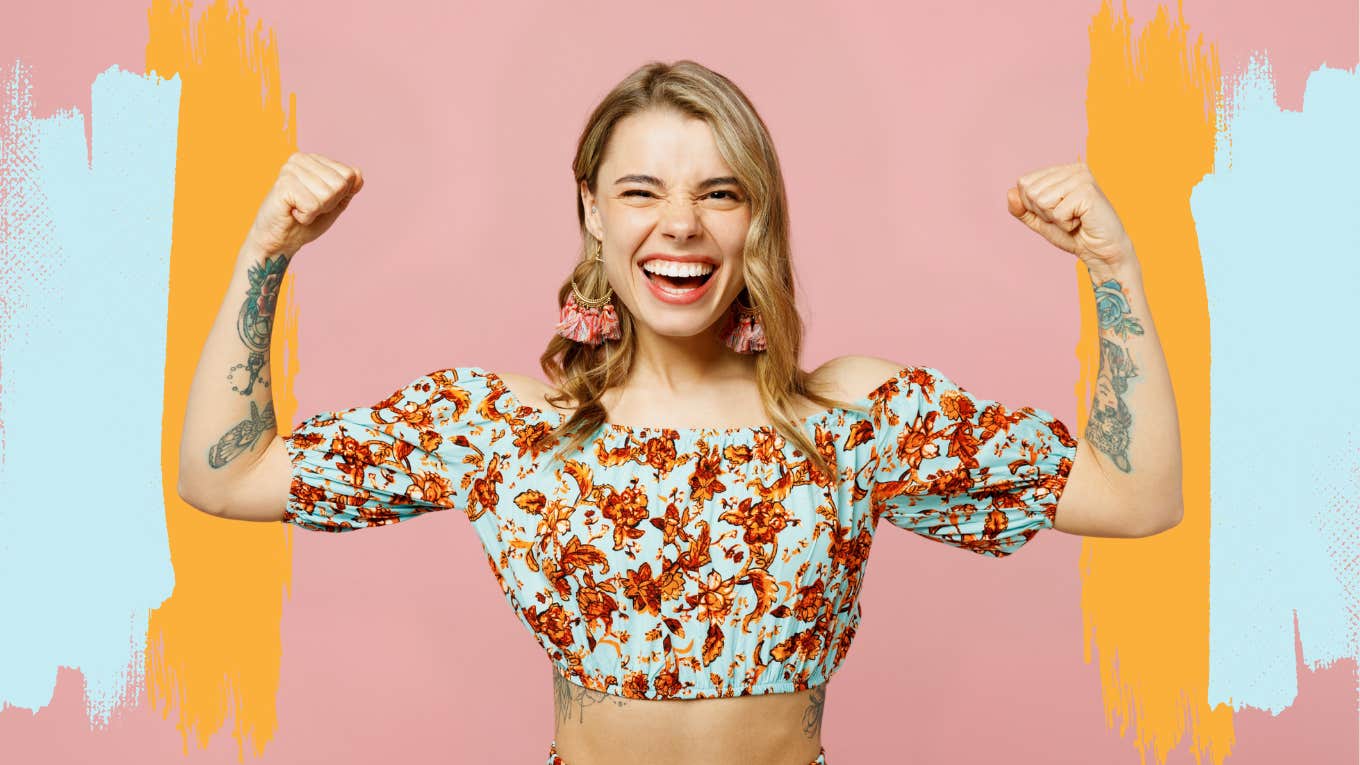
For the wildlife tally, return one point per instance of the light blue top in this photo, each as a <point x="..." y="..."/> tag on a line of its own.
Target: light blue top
<point x="686" y="562"/>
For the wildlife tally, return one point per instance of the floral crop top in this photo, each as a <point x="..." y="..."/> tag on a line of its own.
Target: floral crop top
<point x="678" y="563"/>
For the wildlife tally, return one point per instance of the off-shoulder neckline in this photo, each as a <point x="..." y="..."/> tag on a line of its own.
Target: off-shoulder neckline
<point x="866" y="401"/>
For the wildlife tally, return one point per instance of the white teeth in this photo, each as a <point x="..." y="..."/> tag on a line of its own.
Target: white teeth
<point x="672" y="268"/>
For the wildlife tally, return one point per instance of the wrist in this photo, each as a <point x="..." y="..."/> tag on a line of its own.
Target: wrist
<point x="1126" y="271"/>
<point x="255" y="251"/>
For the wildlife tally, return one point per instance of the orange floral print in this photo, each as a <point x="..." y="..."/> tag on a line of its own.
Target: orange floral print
<point x="686" y="562"/>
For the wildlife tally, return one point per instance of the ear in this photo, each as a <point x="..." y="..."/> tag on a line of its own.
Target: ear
<point x="588" y="202"/>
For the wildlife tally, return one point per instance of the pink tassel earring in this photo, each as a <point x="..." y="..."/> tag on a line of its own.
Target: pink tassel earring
<point x="744" y="332"/>
<point x="589" y="320"/>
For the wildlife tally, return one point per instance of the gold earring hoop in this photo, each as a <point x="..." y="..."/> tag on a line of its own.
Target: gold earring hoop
<point x="590" y="320"/>
<point x="609" y="291"/>
<point x="744" y="310"/>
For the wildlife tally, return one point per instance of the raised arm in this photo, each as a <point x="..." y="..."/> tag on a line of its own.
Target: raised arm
<point x="1133" y="432"/>
<point x="1126" y="473"/>
<point x="231" y="461"/>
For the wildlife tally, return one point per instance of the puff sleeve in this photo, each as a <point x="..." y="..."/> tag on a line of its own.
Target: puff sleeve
<point x="962" y="470"/>
<point x="422" y="449"/>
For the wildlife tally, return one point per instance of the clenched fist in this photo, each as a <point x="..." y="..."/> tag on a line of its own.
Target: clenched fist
<point x="310" y="193"/>
<point x="1064" y="205"/>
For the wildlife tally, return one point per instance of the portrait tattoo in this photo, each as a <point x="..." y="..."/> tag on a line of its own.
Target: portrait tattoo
<point x="255" y="322"/>
<point x="570" y="700"/>
<point x="243" y="436"/>
<point x="1110" y="425"/>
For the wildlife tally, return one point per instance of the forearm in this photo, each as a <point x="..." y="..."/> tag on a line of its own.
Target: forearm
<point x="1133" y="423"/>
<point x="229" y="416"/>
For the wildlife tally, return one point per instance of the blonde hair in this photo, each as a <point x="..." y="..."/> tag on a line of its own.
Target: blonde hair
<point x="582" y="373"/>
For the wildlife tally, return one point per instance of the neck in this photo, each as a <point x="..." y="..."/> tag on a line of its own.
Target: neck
<point x="673" y="366"/>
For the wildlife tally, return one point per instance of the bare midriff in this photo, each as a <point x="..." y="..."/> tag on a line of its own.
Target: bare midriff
<point x="596" y="728"/>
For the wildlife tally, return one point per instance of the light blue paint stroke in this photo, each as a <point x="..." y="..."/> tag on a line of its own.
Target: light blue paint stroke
<point x="1279" y="231"/>
<point x="84" y="275"/>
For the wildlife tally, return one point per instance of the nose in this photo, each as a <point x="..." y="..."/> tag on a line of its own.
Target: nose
<point x="679" y="221"/>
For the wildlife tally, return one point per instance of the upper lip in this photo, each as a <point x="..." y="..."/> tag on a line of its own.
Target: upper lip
<point x="679" y="258"/>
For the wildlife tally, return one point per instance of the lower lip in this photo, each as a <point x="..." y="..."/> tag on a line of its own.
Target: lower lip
<point x="681" y="299"/>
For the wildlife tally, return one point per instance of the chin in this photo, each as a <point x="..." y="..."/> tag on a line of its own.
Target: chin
<point x="681" y="320"/>
<point x="679" y="326"/>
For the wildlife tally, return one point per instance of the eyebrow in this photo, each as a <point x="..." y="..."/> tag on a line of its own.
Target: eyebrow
<point x="654" y="181"/>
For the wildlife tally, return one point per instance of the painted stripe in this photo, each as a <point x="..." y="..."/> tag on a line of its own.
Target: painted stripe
<point x="84" y="264"/>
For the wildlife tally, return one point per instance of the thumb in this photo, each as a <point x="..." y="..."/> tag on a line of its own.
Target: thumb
<point x="1053" y="233"/>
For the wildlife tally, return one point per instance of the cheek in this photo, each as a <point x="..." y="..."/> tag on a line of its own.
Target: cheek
<point x="733" y="266"/>
<point x="733" y="281"/>
<point x="734" y="241"/>
<point x="617" y="271"/>
<point x="623" y="243"/>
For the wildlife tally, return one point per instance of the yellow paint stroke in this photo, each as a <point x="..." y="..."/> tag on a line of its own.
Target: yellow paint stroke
<point x="1145" y="602"/>
<point x="213" y="648"/>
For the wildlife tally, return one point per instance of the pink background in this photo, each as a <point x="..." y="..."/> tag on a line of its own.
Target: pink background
<point x="899" y="128"/>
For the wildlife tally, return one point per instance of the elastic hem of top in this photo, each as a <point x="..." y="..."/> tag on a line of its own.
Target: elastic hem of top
<point x="786" y="685"/>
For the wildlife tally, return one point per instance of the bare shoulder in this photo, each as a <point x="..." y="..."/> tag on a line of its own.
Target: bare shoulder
<point x="853" y="377"/>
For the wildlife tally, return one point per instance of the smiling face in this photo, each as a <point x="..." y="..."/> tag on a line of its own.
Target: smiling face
<point x="667" y="202"/>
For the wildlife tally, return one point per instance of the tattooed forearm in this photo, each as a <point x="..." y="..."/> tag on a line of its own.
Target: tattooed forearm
<point x="812" y="716"/>
<point x="570" y="700"/>
<point x="243" y="436"/>
<point x="255" y="322"/>
<point x="1111" y="423"/>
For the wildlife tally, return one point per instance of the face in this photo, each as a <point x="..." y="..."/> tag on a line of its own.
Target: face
<point x="667" y="202"/>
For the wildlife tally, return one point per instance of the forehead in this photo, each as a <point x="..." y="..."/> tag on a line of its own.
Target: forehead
<point x="663" y="143"/>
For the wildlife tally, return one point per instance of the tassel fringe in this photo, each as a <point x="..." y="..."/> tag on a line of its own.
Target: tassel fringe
<point x="591" y="325"/>
<point x="745" y="333"/>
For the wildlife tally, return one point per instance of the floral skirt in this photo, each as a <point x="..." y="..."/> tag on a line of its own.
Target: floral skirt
<point x="555" y="759"/>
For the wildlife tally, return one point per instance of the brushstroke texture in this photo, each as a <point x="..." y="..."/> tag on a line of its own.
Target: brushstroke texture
<point x="83" y="274"/>
<point x="1279" y="228"/>
<point x="216" y="642"/>
<point x="1145" y="601"/>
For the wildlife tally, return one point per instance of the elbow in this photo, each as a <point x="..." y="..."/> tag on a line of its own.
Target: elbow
<point x="1165" y="526"/>
<point x="197" y="500"/>
<point x="184" y="485"/>
<point x="184" y="494"/>
<point x="1155" y="519"/>
<point x="189" y="499"/>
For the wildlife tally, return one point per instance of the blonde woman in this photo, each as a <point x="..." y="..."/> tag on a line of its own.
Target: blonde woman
<point x="680" y="514"/>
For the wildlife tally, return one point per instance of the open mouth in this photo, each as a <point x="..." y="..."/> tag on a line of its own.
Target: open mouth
<point x="679" y="280"/>
<point x="678" y="283"/>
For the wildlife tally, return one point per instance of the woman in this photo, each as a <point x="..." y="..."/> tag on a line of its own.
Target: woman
<point x="682" y="516"/>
